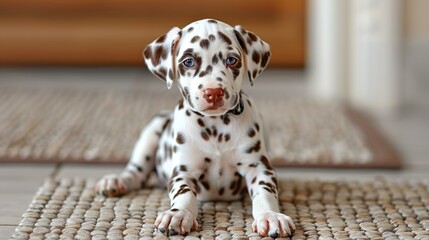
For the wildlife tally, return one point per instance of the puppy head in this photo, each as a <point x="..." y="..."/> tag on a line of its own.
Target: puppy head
<point x="209" y="60"/>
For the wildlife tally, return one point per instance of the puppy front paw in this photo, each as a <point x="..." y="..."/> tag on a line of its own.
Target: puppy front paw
<point x="176" y="221"/>
<point x="274" y="225"/>
<point x="113" y="185"/>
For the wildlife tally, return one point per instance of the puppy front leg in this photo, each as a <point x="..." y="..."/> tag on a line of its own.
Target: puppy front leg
<point x="181" y="218"/>
<point x="262" y="185"/>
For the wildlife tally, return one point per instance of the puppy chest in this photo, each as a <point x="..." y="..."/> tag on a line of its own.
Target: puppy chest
<point x="219" y="180"/>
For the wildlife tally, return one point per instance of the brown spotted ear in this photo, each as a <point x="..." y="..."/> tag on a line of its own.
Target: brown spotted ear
<point x="160" y="56"/>
<point x="257" y="52"/>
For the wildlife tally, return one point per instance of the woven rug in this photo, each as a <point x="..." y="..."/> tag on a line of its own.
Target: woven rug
<point x="377" y="209"/>
<point x="78" y="124"/>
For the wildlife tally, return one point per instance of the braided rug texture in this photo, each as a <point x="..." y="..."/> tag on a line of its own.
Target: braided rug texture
<point x="376" y="209"/>
<point x="96" y="125"/>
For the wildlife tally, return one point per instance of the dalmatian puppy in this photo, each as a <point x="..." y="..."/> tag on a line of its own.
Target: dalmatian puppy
<point x="211" y="146"/>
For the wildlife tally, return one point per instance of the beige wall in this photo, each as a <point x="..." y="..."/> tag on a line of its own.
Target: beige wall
<point x="416" y="82"/>
<point x="417" y="19"/>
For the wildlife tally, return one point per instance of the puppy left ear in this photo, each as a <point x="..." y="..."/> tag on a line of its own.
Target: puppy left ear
<point x="257" y="52"/>
<point x="160" y="56"/>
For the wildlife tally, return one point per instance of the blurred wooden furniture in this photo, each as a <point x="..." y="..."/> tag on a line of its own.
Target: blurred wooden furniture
<point x="109" y="32"/>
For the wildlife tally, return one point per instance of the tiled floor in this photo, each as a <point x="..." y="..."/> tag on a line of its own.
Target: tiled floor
<point x="18" y="183"/>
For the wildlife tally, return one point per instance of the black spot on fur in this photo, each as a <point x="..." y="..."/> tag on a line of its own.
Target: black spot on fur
<point x="241" y="41"/>
<point x="249" y="75"/>
<point x="181" y="191"/>
<point x="256" y="57"/>
<point x="183" y="168"/>
<point x="161" y="73"/>
<point x="232" y="185"/>
<point x="268" y="190"/>
<point x="182" y="70"/>
<point x="208" y="70"/>
<point x="180" y="104"/>
<point x="161" y="39"/>
<point x="204" y="44"/>
<point x="265" y="58"/>
<point x="209" y="132"/>
<point x="212" y="21"/>
<point x="214" y="131"/>
<point x="219" y="139"/>
<point x="206" y="185"/>
<point x="180" y="139"/>
<point x="215" y="59"/>
<point x="202" y="176"/>
<point x="255" y="148"/>
<point x="227" y="137"/>
<point x="274" y="179"/>
<point x="198" y="62"/>
<point x="166" y="124"/>
<point x="221" y="56"/>
<point x="236" y="70"/>
<point x="195" y="39"/>
<point x="251" y="132"/>
<point x="254" y="74"/>
<point x="147" y="52"/>
<point x="266" y="162"/>
<point x="224" y="38"/>
<point x="140" y="169"/>
<point x="204" y="135"/>
<point x="257" y="127"/>
<point x="253" y="180"/>
<point x="159" y="53"/>
<point x="226" y="119"/>
<point x="212" y="38"/>
<point x="238" y="186"/>
<point x="253" y="165"/>
<point x="252" y="36"/>
<point x="226" y="94"/>
<point x="201" y="122"/>
<point x="170" y="74"/>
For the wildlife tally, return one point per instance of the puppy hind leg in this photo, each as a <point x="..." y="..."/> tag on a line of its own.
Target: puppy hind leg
<point x="142" y="162"/>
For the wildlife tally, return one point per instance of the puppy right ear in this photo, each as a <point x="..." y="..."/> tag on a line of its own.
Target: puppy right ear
<point x="160" y="56"/>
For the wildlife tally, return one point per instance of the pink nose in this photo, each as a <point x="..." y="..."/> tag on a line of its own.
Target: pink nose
<point x="212" y="95"/>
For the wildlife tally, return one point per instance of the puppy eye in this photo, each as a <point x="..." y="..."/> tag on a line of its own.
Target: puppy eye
<point x="231" y="61"/>
<point x="189" y="62"/>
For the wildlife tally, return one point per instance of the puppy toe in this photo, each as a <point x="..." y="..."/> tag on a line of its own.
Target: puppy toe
<point x="176" y="221"/>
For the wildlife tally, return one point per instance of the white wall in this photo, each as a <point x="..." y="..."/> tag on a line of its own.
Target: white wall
<point x="355" y="52"/>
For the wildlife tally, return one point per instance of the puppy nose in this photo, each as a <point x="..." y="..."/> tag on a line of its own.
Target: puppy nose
<point x="212" y="95"/>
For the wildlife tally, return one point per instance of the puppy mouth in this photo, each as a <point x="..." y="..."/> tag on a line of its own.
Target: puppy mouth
<point x="215" y="106"/>
<point x="215" y="109"/>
